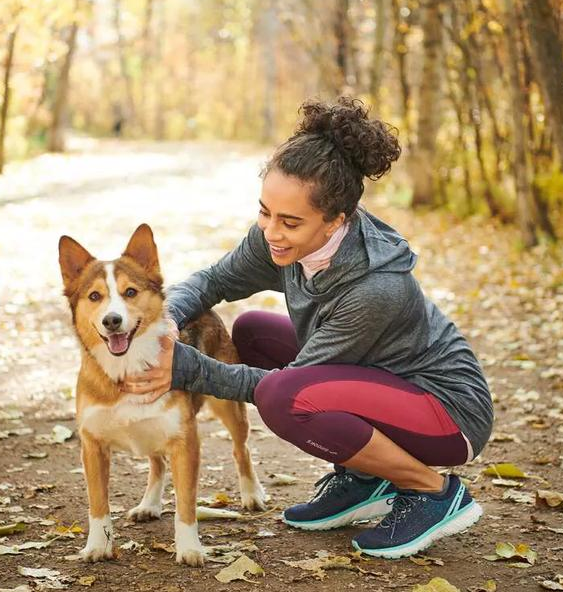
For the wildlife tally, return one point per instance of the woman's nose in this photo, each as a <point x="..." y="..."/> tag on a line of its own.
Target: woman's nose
<point x="271" y="232"/>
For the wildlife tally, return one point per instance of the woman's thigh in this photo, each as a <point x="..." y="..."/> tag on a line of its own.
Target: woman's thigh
<point x="265" y="339"/>
<point x="330" y="411"/>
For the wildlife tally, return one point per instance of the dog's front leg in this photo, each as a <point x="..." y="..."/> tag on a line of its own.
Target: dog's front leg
<point x="184" y="464"/>
<point x="96" y="461"/>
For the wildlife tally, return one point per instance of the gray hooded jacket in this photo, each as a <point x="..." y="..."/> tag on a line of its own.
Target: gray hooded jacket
<point x="366" y="309"/>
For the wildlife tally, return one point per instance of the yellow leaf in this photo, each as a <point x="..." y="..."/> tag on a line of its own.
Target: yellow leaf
<point x="87" y="580"/>
<point x="238" y="569"/>
<point x="505" y="470"/>
<point x="436" y="585"/>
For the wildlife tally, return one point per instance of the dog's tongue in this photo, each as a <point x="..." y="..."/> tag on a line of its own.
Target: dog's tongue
<point x="118" y="342"/>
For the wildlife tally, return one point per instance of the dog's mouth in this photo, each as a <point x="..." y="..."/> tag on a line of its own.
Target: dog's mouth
<point x="118" y="343"/>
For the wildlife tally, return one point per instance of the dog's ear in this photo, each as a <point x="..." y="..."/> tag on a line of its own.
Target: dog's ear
<point x="73" y="258"/>
<point x="142" y="249"/>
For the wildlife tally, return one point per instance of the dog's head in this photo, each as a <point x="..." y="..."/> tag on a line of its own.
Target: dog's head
<point x="113" y="302"/>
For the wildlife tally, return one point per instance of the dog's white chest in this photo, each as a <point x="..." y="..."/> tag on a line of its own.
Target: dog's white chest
<point x="140" y="429"/>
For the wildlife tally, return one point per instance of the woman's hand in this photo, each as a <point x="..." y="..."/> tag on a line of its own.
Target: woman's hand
<point x="157" y="380"/>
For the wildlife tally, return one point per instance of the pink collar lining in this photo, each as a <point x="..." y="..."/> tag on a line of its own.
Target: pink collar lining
<point x="320" y="259"/>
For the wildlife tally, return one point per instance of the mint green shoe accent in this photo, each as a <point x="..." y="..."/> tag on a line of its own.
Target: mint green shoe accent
<point x="375" y="507"/>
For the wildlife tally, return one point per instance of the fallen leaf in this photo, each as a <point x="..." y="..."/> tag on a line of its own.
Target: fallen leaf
<point x="554" y="584"/>
<point x="163" y="547"/>
<point x="551" y="585"/>
<point x="238" y="569"/>
<point x="86" y="580"/>
<point x="29" y="572"/>
<point x="203" y="513"/>
<point x="520" y="497"/>
<point x="13" y="550"/>
<point x="505" y="470"/>
<point x="264" y="532"/>
<point x="281" y="479"/>
<point x="60" y="434"/>
<point x="488" y="586"/>
<point x="425" y="560"/>
<point x="524" y="555"/>
<point x="36" y="455"/>
<point x="507" y="483"/>
<point x="505" y="437"/>
<point x="552" y="499"/>
<point x="322" y="562"/>
<point x="436" y="585"/>
<point x="12" y="528"/>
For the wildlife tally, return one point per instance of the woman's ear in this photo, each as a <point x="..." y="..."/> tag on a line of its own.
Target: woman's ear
<point x="335" y="224"/>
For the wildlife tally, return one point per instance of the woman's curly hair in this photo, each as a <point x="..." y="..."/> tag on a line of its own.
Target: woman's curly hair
<point x="334" y="148"/>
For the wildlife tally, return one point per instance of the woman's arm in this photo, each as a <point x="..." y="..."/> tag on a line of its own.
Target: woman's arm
<point x="246" y="270"/>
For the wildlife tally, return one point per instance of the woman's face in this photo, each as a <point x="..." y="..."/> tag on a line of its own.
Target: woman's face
<point x="292" y="227"/>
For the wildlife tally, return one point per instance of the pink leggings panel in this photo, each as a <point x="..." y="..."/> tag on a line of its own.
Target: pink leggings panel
<point x="330" y="411"/>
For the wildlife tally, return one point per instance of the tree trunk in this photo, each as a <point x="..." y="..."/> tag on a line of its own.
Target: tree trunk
<point x="55" y="141"/>
<point x="6" y="100"/>
<point x="547" y="57"/>
<point x="131" y="111"/>
<point x="376" y="73"/>
<point x="527" y="215"/>
<point x="400" y="53"/>
<point x="423" y="169"/>
<point x="342" y="39"/>
<point x="269" y="30"/>
<point x="146" y="66"/>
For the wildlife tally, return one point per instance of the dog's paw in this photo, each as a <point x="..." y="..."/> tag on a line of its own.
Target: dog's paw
<point x="191" y="557"/>
<point x="189" y="549"/>
<point x="91" y="554"/>
<point x="142" y="513"/>
<point x="253" y="496"/>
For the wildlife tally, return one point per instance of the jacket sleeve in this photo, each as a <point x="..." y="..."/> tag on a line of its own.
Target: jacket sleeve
<point x="198" y="373"/>
<point x="244" y="271"/>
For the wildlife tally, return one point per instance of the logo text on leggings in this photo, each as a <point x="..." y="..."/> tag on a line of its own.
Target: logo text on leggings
<point x="316" y="445"/>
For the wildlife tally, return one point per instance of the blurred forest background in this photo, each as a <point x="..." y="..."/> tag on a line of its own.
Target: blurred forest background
<point x="475" y="87"/>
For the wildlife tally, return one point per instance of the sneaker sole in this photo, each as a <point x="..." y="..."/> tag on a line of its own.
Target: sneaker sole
<point x="457" y="523"/>
<point x="367" y="511"/>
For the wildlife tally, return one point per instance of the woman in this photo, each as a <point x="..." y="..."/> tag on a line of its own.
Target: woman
<point x="372" y="376"/>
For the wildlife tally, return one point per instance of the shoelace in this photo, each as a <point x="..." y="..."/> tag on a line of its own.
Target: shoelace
<point x="327" y="482"/>
<point x="402" y="505"/>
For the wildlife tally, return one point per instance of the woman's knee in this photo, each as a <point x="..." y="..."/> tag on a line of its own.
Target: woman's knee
<point x="245" y="326"/>
<point x="274" y="401"/>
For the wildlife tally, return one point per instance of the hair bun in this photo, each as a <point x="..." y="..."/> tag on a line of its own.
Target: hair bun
<point x="368" y="144"/>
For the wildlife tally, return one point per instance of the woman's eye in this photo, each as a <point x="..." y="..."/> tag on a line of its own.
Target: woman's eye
<point x="94" y="296"/>
<point x="290" y="226"/>
<point x="130" y="292"/>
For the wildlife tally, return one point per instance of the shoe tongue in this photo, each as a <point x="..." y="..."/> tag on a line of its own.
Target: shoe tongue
<point x="118" y="342"/>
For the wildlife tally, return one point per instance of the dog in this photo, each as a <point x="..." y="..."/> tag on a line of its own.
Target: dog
<point x="118" y="313"/>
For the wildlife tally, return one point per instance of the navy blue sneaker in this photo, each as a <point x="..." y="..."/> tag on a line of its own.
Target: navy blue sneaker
<point x="418" y="519"/>
<point x="341" y="499"/>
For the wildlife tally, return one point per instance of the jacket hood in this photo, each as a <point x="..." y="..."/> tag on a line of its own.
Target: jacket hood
<point x="370" y="246"/>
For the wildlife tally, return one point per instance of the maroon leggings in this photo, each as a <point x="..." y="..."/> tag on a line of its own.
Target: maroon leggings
<point x="329" y="411"/>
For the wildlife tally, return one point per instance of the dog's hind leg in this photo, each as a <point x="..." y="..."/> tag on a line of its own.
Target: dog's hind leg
<point x="150" y="507"/>
<point x="234" y="417"/>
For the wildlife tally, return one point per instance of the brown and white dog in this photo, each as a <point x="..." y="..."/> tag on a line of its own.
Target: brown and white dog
<point x="119" y="316"/>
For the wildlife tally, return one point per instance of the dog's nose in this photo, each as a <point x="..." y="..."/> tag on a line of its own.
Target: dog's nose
<point x="112" y="321"/>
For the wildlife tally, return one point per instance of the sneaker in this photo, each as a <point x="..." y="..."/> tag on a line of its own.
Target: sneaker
<point x="418" y="519"/>
<point x="341" y="499"/>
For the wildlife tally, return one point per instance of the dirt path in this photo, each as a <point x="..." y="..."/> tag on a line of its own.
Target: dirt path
<point x="200" y="199"/>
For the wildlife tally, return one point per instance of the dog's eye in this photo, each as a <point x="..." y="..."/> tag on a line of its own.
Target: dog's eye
<point x="94" y="296"/>
<point x="130" y="292"/>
